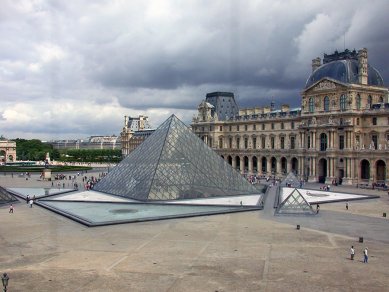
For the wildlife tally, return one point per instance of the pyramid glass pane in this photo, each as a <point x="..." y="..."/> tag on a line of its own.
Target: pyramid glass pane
<point x="6" y="197"/>
<point x="290" y="180"/>
<point x="173" y="163"/>
<point x="295" y="203"/>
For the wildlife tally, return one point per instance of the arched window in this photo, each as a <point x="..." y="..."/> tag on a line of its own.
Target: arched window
<point x="311" y="105"/>
<point x="323" y="142"/>
<point x="369" y="101"/>
<point x="358" y="102"/>
<point x="343" y="102"/>
<point x="326" y="104"/>
<point x="381" y="99"/>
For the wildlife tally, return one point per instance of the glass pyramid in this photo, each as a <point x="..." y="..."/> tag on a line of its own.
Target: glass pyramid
<point x="290" y="181"/>
<point x="173" y="163"/>
<point x="295" y="203"/>
<point x="6" y="197"/>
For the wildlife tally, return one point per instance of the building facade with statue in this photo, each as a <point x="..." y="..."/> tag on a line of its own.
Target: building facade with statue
<point x="339" y="133"/>
<point x="134" y="132"/>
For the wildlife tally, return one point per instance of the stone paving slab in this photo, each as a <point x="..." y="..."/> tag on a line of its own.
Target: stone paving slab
<point x="42" y="251"/>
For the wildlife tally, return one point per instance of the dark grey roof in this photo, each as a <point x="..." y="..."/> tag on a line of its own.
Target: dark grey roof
<point x="219" y="93"/>
<point x="345" y="71"/>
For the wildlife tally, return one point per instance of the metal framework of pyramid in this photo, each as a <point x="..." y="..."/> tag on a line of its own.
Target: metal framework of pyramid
<point x="171" y="164"/>
<point x="290" y="180"/>
<point x="295" y="204"/>
<point x="6" y="197"/>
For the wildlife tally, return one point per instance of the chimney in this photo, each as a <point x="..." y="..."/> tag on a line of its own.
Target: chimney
<point x="362" y="66"/>
<point x="316" y="63"/>
<point x="125" y="121"/>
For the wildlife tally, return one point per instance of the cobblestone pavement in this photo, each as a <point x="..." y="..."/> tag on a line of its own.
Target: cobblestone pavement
<point x="250" y="251"/>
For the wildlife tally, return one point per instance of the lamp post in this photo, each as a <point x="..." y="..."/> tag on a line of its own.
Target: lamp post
<point x="5" y="279"/>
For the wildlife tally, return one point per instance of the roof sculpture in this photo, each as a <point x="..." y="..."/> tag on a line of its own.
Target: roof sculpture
<point x="173" y="163"/>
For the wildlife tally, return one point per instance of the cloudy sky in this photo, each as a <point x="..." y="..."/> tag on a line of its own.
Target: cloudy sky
<point x="71" y="69"/>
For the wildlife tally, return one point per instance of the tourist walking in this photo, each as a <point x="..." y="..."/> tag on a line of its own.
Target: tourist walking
<point x="28" y="199"/>
<point x="365" y="256"/>
<point x="31" y="202"/>
<point x="346" y="205"/>
<point x="352" y="252"/>
<point x="317" y="209"/>
<point x="11" y="209"/>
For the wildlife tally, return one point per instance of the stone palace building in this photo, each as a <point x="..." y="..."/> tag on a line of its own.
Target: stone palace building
<point x="340" y="133"/>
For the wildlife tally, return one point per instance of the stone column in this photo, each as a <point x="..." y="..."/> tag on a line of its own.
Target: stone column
<point x="242" y="165"/>
<point x="250" y="165"/>
<point x="233" y="162"/>
<point x="268" y="166"/>
<point x="278" y="165"/>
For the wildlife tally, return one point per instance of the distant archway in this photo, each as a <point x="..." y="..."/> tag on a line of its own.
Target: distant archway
<point x="365" y="169"/>
<point x="229" y="160"/>
<point x="273" y="165"/>
<point x="283" y="164"/>
<point x="246" y="164"/>
<point x="380" y="171"/>
<point x="322" y="170"/>
<point x="295" y="164"/>
<point x="255" y="164"/>
<point x="237" y="161"/>
<point x="264" y="164"/>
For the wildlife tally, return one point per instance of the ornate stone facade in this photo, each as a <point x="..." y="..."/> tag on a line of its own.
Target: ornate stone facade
<point x="134" y="132"/>
<point x="7" y="151"/>
<point x="339" y="134"/>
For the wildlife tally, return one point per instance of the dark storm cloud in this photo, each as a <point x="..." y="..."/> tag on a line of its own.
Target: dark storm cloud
<point x="83" y="65"/>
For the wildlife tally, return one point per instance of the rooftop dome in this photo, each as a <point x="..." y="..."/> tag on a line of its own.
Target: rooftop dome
<point x="344" y="68"/>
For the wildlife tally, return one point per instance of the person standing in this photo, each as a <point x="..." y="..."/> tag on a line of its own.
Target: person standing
<point x="31" y="202"/>
<point x="365" y="256"/>
<point x="352" y="252"/>
<point x="346" y="205"/>
<point x="11" y="209"/>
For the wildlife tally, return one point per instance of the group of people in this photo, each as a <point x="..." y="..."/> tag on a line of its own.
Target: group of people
<point x="365" y="255"/>
<point x="29" y="201"/>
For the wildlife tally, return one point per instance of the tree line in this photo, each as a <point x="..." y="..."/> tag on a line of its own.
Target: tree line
<point x="36" y="150"/>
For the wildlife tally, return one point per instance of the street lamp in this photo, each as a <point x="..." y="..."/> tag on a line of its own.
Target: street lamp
<point x="5" y="279"/>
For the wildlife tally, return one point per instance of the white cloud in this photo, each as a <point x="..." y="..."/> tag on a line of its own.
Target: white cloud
<point x="83" y="65"/>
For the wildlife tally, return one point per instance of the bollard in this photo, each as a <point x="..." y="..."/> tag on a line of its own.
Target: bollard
<point x="298" y="227"/>
<point x="383" y="214"/>
<point x="361" y="239"/>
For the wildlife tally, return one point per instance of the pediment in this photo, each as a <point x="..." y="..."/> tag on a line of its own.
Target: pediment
<point x="326" y="84"/>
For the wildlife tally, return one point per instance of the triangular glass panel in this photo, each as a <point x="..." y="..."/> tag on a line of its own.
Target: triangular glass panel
<point x="6" y="197"/>
<point x="290" y="181"/>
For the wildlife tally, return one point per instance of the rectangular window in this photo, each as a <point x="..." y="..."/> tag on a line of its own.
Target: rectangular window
<point x="374" y="121"/>
<point x="220" y="142"/>
<point x="245" y="127"/>
<point x="246" y="143"/>
<point x="230" y="143"/>
<point x="282" y="142"/>
<point x="230" y="128"/>
<point x="263" y="126"/>
<point x="237" y="128"/>
<point x="263" y="142"/>
<point x="341" y="142"/>
<point x="272" y="142"/>
<point x="220" y="128"/>
<point x="254" y="143"/>
<point x="282" y="126"/>
<point x="272" y="126"/>
<point x="254" y="127"/>
<point x="237" y="143"/>
<point x="292" y="143"/>
<point x="308" y="141"/>
<point x="292" y="125"/>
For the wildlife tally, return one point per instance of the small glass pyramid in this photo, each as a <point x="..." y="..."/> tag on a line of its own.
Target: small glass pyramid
<point x="295" y="203"/>
<point x="6" y="197"/>
<point x="290" y="181"/>
<point x="172" y="164"/>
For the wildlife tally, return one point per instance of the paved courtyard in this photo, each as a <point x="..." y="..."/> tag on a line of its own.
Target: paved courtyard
<point x="250" y="251"/>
